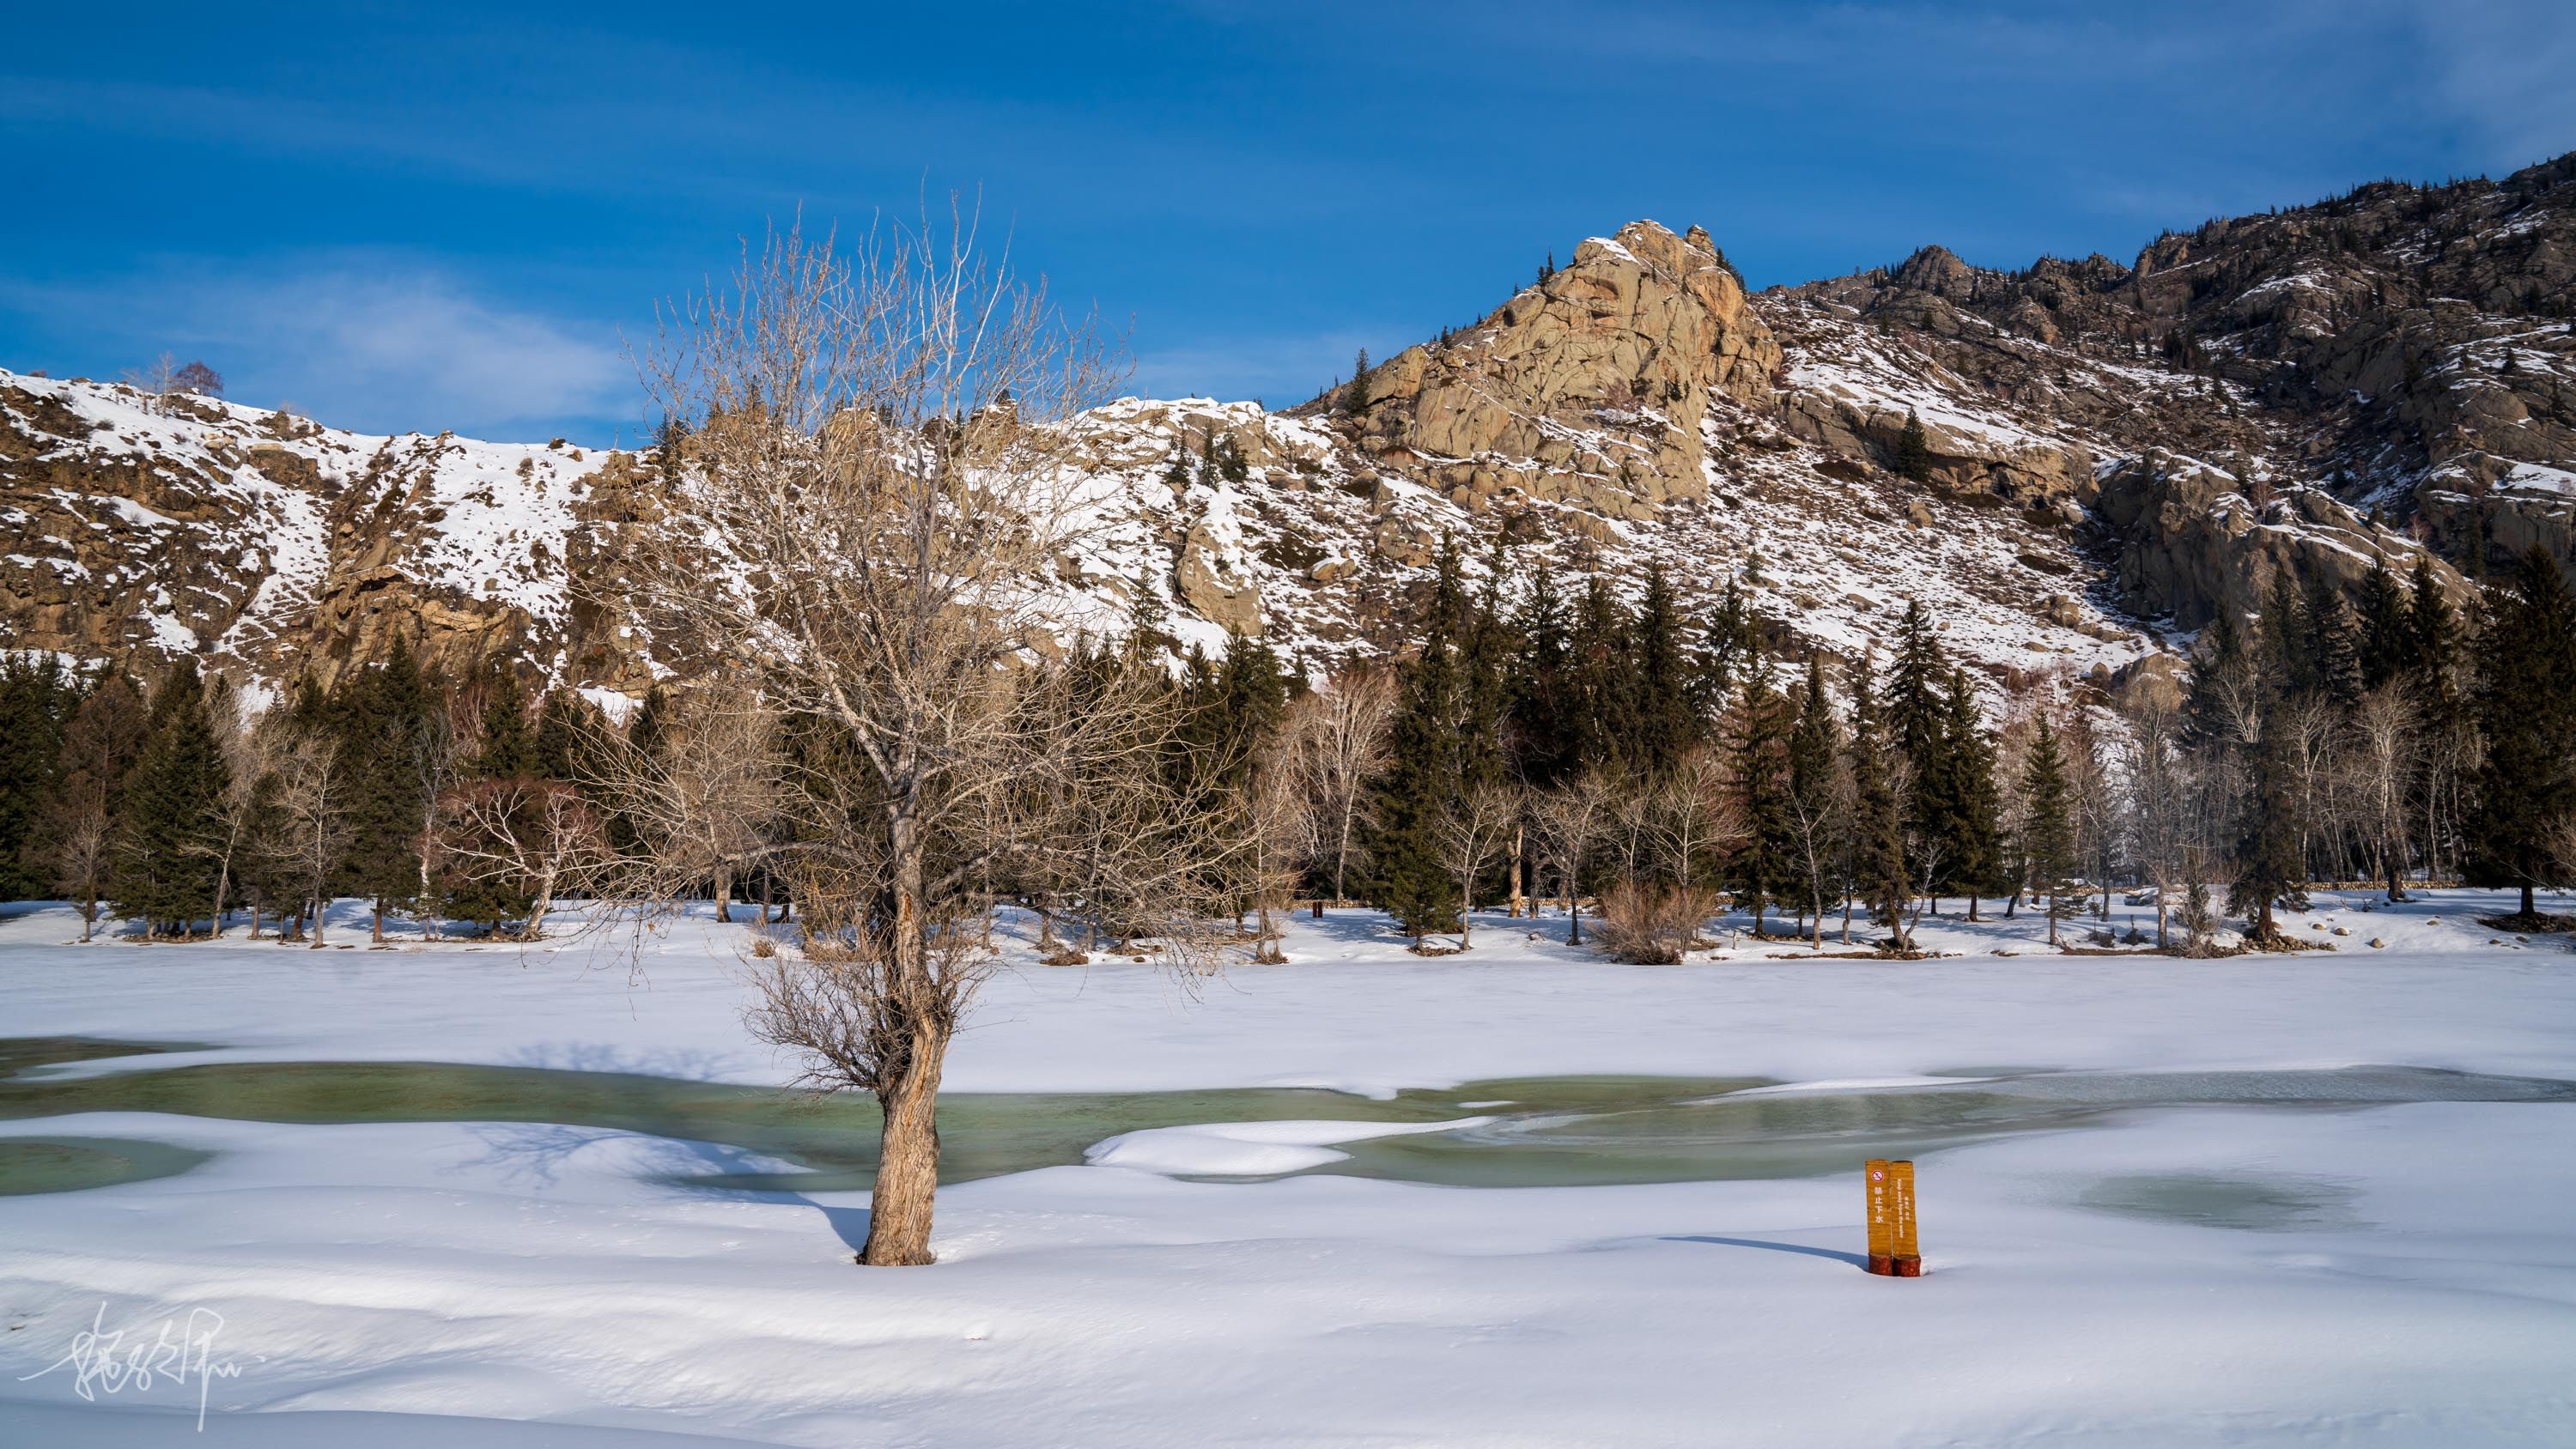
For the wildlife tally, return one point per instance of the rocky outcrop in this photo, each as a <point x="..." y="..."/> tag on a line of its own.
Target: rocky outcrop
<point x="2403" y="347"/>
<point x="1587" y="387"/>
<point x="2191" y="542"/>
<point x="1215" y="585"/>
<point x="2011" y="466"/>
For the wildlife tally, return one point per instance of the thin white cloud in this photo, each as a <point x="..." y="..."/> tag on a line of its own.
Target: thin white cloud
<point x="361" y="343"/>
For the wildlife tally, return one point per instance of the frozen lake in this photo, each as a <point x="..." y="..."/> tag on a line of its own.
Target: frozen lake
<point x="460" y="1193"/>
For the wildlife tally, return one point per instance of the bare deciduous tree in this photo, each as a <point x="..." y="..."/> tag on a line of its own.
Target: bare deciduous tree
<point x="1693" y="816"/>
<point x="1280" y="830"/>
<point x="2153" y="770"/>
<point x="1341" y="734"/>
<point x="714" y="797"/>
<point x="157" y="380"/>
<point x="1571" y="818"/>
<point x="1472" y="830"/>
<point x="874" y="494"/>
<point x="313" y="831"/>
<point x="539" y="834"/>
<point x="2387" y="730"/>
<point x="80" y="864"/>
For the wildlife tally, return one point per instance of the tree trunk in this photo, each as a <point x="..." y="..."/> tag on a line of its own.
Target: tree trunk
<point x="379" y="928"/>
<point x="1466" y="907"/>
<point x="1342" y="858"/>
<point x="254" y="918"/>
<point x="724" y="894"/>
<point x="1972" y="907"/>
<point x="428" y="902"/>
<point x="899" y="1205"/>
<point x="321" y="908"/>
<point x="1573" y="904"/>
<point x="1516" y="872"/>
<point x="2161" y="908"/>
<point x="2396" y="888"/>
<point x="2530" y="907"/>
<point x="544" y="902"/>
<point x="223" y="888"/>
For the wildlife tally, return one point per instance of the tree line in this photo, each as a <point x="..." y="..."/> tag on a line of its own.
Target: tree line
<point x="449" y="802"/>
<point x="1546" y="741"/>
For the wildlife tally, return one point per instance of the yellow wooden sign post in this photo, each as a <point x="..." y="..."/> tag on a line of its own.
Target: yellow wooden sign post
<point x="1909" y="1256"/>
<point x="1879" y="1194"/>
<point x="1889" y="1192"/>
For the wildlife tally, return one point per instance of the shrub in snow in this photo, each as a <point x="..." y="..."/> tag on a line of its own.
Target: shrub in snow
<point x="1652" y="925"/>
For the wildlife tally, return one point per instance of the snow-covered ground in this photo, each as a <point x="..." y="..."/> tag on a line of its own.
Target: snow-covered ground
<point x="392" y="1282"/>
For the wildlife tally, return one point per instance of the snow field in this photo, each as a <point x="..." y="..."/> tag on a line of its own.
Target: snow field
<point x="414" y="1284"/>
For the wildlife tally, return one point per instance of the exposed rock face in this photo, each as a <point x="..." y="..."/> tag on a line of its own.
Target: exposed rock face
<point x="1216" y="588"/>
<point x="2406" y="347"/>
<point x="2192" y="543"/>
<point x="1587" y="387"/>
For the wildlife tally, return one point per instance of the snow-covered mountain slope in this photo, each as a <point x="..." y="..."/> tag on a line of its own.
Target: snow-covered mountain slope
<point x="2110" y="456"/>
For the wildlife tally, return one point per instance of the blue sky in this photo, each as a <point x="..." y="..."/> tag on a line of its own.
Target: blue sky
<point x="440" y="218"/>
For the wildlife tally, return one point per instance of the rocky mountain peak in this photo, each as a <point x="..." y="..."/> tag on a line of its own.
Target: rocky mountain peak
<point x="1585" y="388"/>
<point x="2073" y="465"/>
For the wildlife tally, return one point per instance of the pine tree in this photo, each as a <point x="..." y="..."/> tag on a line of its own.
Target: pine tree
<point x="1664" y="722"/>
<point x="1252" y="697"/>
<point x="1918" y="718"/>
<point x="562" y="727"/>
<point x="1540" y="713"/>
<point x="2337" y="651"/>
<point x="1730" y="643"/>
<point x="1601" y="723"/>
<point x="2526" y="708"/>
<point x="1913" y="450"/>
<point x="1916" y="711"/>
<point x="1759" y="749"/>
<point x="2436" y="632"/>
<point x="2267" y="855"/>
<point x="2287" y="636"/>
<point x="2387" y="634"/>
<point x="34" y="698"/>
<point x="2048" y="829"/>
<point x="165" y="873"/>
<point x="387" y="725"/>
<point x="1484" y="669"/>
<point x="2215" y="679"/>
<point x="101" y="742"/>
<point x="1176" y="471"/>
<point x="1355" y="398"/>
<point x="1972" y="830"/>
<point x="1877" y="824"/>
<point x="1413" y="884"/>
<point x="508" y="747"/>
<point x="1809" y="805"/>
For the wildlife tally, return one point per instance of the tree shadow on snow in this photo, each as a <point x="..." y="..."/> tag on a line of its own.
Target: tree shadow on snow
<point x="532" y="1157"/>
<point x="1855" y="1259"/>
